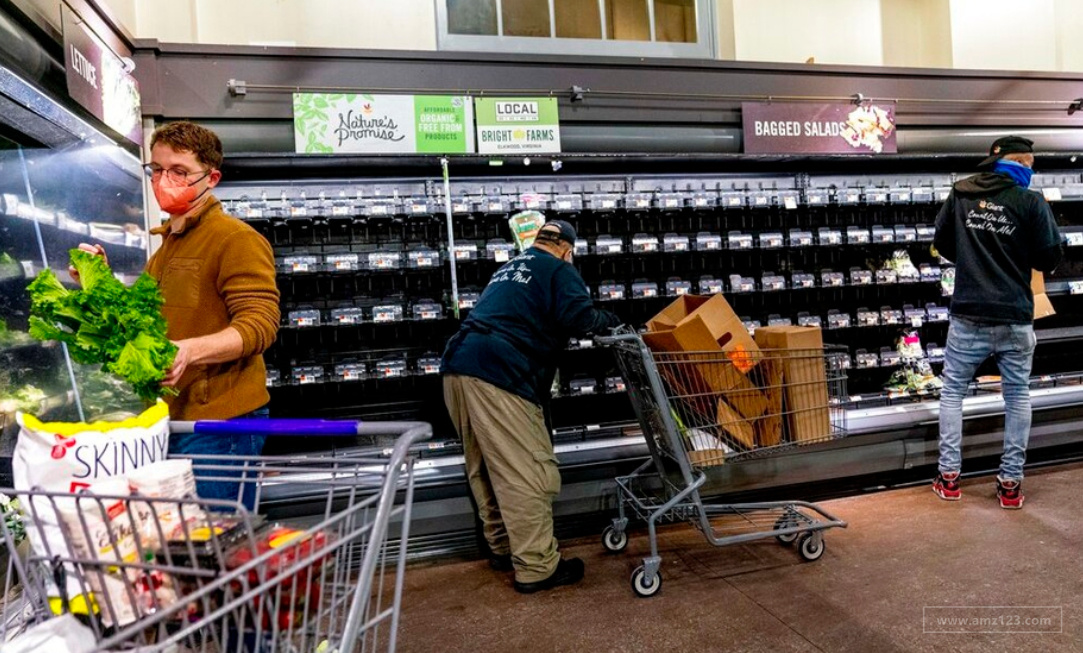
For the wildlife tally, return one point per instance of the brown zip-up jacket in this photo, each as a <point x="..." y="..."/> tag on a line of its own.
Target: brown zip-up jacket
<point x="218" y="272"/>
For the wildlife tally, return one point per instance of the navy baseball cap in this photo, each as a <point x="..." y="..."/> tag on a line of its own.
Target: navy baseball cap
<point x="1007" y="145"/>
<point x="563" y="231"/>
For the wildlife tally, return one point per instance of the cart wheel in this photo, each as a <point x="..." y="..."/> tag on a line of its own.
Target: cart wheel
<point x="786" y="522"/>
<point x="614" y="541"/>
<point x="812" y="547"/>
<point x="640" y="586"/>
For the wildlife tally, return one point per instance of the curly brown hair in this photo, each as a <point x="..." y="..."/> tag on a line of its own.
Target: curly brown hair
<point x="186" y="136"/>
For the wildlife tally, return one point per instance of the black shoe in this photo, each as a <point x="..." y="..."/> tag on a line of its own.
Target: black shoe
<point x="500" y="563"/>
<point x="569" y="572"/>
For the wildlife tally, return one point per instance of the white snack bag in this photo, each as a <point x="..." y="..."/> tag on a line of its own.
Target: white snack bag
<point x="103" y="530"/>
<point x="68" y="457"/>
<point x="167" y="479"/>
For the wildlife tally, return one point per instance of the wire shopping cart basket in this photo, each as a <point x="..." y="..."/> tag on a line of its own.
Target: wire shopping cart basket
<point x="700" y="410"/>
<point x="180" y="573"/>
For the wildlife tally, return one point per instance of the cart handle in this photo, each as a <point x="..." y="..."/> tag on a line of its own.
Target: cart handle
<point x="291" y="427"/>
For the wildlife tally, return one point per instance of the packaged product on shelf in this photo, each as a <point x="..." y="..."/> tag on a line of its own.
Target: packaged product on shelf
<point x="710" y="286"/>
<point x="838" y="319"/>
<point x="428" y="364"/>
<point x="876" y="196"/>
<point x="305" y="317"/>
<point x="890" y="357"/>
<point x="929" y="273"/>
<point x="776" y="320"/>
<point x="423" y="258"/>
<point x="830" y="236"/>
<point x="832" y="279"/>
<point x="866" y="359"/>
<point x="935" y="313"/>
<point x="806" y="320"/>
<point x="606" y="244"/>
<point x="732" y="199"/>
<point x="925" y="233"/>
<point x="770" y="240"/>
<point x="498" y="205"/>
<point x="644" y="244"/>
<point x="703" y="200"/>
<point x="750" y="325"/>
<point x="848" y="196"/>
<point x="882" y="234"/>
<point x="771" y="281"/>
<point x="417" y="206"/>
<point x="582" y="386"/>
<point x="582" y="247"/>
<point x="387" y="313"/>
<point x="300" y="264"/>
<point x="614" y="384"/>
<point x="382" y="207"/>
<point x="890" y="315"/>
<point x="669" y="201"/>
<point x="857" y="236"/>
<point x="347" y="315"/>
<point x="638" y="201"/>
<point x="644" y="289"/>
<point x="307" y="374"/>
<point x="913" y="316"/>
<point x="610" y="291"/>
<point x="901" y="263"/>
<point x="603" y="201"/>
<point x="499" y="250"/>
<point x="388" y="259"/>
<point x="761" y="199"/>
<point x="274" y="378"/>
<point x="676" y="287"/>
<point x="738" y="240"/>
<point x="342" y="262"/>
<point x="800" y="238"/>
<point x="905" y="234"/>
<point x="391" y="366"/>
<point x="935" y="353"/>
<point x="886" y="276"/>
<point x="838" y="360"/>
<point x="708" y="242"/>
<point x="867" y="317"/>
<point x="817" y="196"/>
<point x="908" y="344"/>
<point x="531" y="201"/>
<point x="860" y="277"/>
<point x="739" y="284"/>
<point x="803" y="280"/>
<point x="900" y="196"/>
<point x="567" y="203"/>
<point x="427" y="310"/>
<point x="351" y="371"/>
<point x="463" y="205"/>
<point x="467" y="251"/>
<point x="674" y="243"/>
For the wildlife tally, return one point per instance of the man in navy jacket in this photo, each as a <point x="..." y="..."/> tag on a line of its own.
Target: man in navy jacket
<point x="498" y="374"/>
<point x="995" y="230"/>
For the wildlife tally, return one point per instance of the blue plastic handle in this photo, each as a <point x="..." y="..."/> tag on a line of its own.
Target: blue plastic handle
<point x="296" y="427"/>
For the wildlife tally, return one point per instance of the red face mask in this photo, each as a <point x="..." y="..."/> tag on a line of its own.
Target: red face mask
<point x="176" y="198"/>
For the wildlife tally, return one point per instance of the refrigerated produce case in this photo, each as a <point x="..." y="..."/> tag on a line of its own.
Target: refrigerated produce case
<point x="365" y="274"/>
<point x="62" y="182"/>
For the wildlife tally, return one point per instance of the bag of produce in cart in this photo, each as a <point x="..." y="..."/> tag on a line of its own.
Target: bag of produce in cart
<point x="172" y="480"/>
<point x="68" y="457"/>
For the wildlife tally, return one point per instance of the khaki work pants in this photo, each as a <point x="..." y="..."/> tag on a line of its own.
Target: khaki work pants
<point x="512" y="472"/>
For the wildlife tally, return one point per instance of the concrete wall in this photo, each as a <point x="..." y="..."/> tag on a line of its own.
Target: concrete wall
<point x="792" y="31"/>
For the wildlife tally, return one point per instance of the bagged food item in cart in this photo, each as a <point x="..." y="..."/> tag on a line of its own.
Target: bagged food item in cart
<point x="301" y="560"/>
<point x="167" y="479"/>
<point x="68" y="457"/>
<point x="100" y="530"/>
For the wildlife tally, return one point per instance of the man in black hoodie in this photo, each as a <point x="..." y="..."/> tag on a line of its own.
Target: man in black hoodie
<point x="498" y="375"/>
<point x="995" y="230"/>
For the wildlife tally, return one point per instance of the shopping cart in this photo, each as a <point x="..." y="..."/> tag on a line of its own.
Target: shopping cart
<point x="702" y="411"/>
<point x="232" y="580"/>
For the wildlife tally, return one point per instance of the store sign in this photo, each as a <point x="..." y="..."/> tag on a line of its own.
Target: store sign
<point x="97" y="79"/>
<point x="802" y="128"/>
<point x="347" y="123"/>
<point x="517" y="125"/>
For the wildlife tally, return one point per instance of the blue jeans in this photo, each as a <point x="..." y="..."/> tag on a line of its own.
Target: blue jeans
<point x="206" y="446"/>
<point x="969" y="343"/>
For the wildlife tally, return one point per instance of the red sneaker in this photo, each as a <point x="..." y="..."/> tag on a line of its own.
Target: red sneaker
<point x="946" y="486"/>
<point x="1010" y="494"/>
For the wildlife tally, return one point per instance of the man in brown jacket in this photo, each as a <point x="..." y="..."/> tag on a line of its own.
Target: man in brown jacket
<point x="217" y="276"/>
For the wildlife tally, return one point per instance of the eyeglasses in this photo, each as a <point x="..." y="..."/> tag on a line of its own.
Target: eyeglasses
<point x="175" y="175"/>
